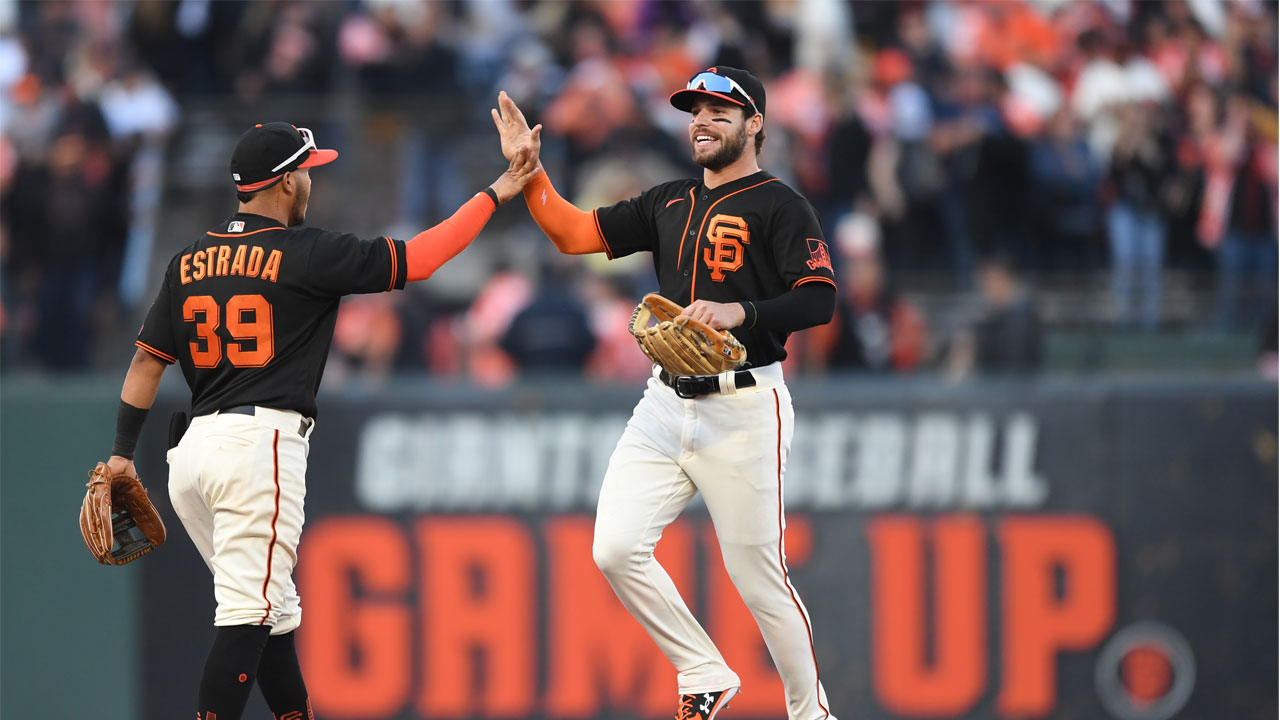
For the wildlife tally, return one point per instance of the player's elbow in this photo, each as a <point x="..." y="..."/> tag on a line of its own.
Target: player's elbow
<point x="145" y="364"/>
<point x="826" y="306"/>
<point x="563" y="244"/>
<point x="582" y="239"/>
<point x="821" y="303"/>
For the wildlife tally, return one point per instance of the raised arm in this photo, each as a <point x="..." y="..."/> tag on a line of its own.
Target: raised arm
<point x="573" y="231"/>
<point x="432" y="248"/>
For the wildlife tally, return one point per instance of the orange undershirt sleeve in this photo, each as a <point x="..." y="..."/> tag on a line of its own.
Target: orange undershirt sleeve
<point x="573" y="231"/>
<point x="435" y="246"/>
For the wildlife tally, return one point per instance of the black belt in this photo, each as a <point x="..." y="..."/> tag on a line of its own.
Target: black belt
<point x="253" y="410"/>
<point x="691" y="386"/>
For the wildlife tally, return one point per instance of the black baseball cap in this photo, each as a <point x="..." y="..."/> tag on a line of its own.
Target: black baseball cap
<point x="265" y="152"/>
<point x="727" y="83"/>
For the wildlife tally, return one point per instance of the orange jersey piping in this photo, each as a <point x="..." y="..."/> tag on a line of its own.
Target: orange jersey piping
<point x="275" y="457"/>
<point x="813" y="278"/>
<point x="395" y="263"/>
<point x="608" y="251"/>
<point x="236" y="235"/>
<point x="162" y="355"/>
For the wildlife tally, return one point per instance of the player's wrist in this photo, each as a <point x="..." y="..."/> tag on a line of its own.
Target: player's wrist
<point x="129" y="421"/>
<point x="502" y="189"/>
<point x="537" y="183"/>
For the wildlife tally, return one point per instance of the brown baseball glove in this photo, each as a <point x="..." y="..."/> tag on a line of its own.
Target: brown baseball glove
<point x="681" y="345"/>
<point x="113" y="506"/>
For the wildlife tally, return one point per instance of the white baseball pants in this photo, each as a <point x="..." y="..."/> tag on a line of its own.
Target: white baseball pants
<point x="731" y="447"/>
<point x="238" y="483"/>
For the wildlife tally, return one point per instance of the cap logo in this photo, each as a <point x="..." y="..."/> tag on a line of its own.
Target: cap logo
<point x="236" y="225"/>
<point x="235" y="176"/>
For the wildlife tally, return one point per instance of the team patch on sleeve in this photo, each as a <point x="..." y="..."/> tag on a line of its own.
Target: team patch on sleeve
<point x="819" y="257"/>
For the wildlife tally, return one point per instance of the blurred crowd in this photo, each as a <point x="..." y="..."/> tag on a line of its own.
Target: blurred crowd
<point x="963" y="148"/>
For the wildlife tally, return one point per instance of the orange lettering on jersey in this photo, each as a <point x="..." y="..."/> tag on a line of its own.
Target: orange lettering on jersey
<point x="184" y="268"/>
<point x="255" y="262"/>
<point x="727" y="235"/>
<point x="237" y="265"/>
<point x="819" y="257"/>
<point x="197" y="261"/>
<point x="224" y="260"/>
<point x="272" y="269"/>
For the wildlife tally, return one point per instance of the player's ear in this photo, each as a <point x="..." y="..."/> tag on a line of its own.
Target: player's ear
<point x="288" y="183"/>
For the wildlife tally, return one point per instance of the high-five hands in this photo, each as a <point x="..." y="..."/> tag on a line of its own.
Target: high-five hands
<point x="513" y="129"/>
<point x="520" y="146"/>
<point x="523" y="167"/>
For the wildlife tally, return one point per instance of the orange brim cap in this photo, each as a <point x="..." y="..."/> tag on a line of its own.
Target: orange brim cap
<point x="319" y="157"/>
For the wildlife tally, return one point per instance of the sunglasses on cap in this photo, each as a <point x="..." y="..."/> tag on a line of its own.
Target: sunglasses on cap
<point x="711" y="82"/>
<point x="308" y="145"/>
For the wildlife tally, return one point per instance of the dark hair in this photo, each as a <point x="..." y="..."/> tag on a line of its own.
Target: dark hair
<point x="759" y="135"/>
<point x="245" y="197"/>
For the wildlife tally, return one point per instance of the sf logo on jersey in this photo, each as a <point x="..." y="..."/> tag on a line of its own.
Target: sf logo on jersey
<point x="727" y="235"/>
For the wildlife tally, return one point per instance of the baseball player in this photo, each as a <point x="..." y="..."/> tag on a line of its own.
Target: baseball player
<point x="248" y="312"/>
<point x="741" y="251"/>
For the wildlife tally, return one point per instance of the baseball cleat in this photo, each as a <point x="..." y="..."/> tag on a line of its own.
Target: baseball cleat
<point x="704" y="706"/>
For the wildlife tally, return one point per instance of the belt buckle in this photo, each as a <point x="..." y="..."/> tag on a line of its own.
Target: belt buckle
<point x="681" y="382"/>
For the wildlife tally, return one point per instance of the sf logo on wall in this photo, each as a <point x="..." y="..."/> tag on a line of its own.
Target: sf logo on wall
<point x="727" y="235"/>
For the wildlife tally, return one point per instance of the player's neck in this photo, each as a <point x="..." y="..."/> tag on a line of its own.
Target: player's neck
<point x="745" y="165"/>
<point x="270" y="207"/>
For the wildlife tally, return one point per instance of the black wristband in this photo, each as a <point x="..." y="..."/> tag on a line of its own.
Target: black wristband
<point x="129" y="421"/>
<point x="493" y="195"/>
<point x="749" y="320"/>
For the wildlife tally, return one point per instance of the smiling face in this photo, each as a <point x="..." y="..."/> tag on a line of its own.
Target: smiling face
<point x="717" y="133"/>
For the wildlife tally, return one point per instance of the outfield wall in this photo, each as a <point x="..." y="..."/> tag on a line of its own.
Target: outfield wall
<point x="1062" y="550"/>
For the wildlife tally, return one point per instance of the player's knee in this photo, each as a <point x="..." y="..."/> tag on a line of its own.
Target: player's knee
<point x="760" y="600"/>
<point x="236" y="652"/>
<point x="613" y="554"/>
<point x="761" y="585"/>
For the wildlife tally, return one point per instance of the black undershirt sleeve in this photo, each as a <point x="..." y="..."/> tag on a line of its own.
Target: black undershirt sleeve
<point x="799" y="308"/>
<point x="129" y="421"/>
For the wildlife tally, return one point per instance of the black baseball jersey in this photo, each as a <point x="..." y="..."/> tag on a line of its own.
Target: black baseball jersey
<point x="248" y="311"/>
<point x="750" y="239"/>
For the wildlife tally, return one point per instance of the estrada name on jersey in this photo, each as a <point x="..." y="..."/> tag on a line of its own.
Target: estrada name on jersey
<point x="248" y="310"/>
<point x="750" y="239"/>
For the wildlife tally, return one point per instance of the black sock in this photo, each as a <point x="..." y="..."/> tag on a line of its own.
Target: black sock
<point x="230" y="670"/>
<point x="280" y="679"/>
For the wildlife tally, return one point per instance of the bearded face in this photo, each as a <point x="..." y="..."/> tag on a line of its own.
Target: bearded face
<point x="717" y="133"/>
<point x="725" y="152"/>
